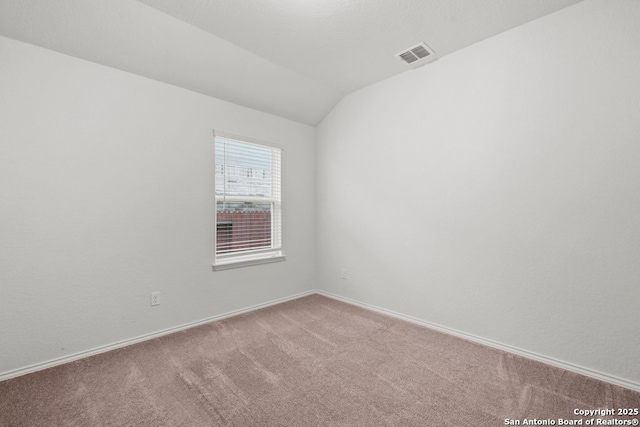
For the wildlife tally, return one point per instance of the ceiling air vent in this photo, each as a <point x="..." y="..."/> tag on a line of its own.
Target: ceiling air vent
<point x="416" y="53"/>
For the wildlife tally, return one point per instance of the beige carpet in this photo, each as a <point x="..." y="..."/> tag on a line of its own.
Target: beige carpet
<point x="309" y="362"/>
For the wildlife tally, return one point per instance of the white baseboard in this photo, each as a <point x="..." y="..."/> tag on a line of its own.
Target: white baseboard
<point x="102" y="349"/>
<point x="524" y="353"/>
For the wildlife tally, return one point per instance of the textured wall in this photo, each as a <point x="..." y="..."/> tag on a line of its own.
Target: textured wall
<point x="496" y="191"/>
<point x="106" y="183"/>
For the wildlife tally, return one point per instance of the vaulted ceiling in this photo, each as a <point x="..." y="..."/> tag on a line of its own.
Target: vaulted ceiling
<point x="292" y="58"/>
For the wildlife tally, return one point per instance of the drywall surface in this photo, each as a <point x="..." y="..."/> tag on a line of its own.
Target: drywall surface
<point x="106" y="184"/>
<point x="495" y="191"/>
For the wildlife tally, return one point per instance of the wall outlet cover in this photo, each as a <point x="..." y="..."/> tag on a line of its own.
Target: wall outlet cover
<point x="155" y="298"/>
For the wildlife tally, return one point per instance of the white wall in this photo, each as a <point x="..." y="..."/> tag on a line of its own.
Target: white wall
<point x="496" y="191"/>
<point x="106" y="194"/>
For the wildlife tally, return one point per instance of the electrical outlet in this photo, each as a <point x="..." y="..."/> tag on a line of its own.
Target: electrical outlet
<point x="343" y="273"/>
<point x="155" y="298"/>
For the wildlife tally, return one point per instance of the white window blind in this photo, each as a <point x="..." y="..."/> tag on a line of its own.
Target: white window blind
<point x="248" y="199"/>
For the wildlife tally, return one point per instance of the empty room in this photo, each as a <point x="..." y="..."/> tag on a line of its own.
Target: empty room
<point x="319" y="212"/>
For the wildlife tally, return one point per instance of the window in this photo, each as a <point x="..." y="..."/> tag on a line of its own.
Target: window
<point x="248" y="202"/>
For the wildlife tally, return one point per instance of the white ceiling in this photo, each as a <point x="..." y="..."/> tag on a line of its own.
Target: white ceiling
<point x="292" y="58"/>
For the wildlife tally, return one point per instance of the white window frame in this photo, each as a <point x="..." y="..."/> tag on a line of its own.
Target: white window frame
<point x="251" y="257"/>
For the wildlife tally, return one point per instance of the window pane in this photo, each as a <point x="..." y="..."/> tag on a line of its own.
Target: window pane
<point x="248" y="205"/>
<point x="243" y="169"/>
<point x="243" y="226"/>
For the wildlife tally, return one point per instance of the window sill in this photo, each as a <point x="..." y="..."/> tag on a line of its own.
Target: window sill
<point x="248" y="260"/>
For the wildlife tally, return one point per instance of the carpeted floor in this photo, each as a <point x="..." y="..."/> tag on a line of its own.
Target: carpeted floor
<point x="309" y="362"/>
